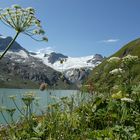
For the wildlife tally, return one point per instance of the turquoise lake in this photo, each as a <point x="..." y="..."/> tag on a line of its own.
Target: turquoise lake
<point x="44" y="98"/>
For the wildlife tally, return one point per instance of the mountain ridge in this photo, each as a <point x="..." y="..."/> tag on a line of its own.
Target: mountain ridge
<point x="4" y="41"/>
<point x="31" y="66"/>
<point x="62" y="62"/>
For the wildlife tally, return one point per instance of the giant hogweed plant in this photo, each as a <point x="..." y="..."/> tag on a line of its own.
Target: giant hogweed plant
<point x="22" y="20"/>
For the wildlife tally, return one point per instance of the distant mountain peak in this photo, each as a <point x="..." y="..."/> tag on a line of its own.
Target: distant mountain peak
<point x="1" y="36"/>
<point x="97" y="58"/>
<point x="16" y="47"/>
<point x="53" y="57"/>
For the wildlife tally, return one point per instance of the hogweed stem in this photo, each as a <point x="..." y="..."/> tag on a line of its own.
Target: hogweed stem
<point x="10" y="44"/>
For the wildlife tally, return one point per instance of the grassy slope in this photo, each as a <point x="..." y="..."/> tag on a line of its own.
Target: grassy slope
<point x="132" y="48"/>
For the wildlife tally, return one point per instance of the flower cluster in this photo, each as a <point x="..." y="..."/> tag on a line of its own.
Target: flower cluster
<point x="129" y="60"/>
<point x="13" y="97"/>
<point x="136" y="89"/>
<point x="115" y="87"/>
<point x="11" y="111"/>
<point x="28" y="98"/>
<point x="2" y="108"/>
<point x="113" y="60"/>
<point x="127" y="100"/>
<point x="116" y="71"/>
<point x="22" y="20"/>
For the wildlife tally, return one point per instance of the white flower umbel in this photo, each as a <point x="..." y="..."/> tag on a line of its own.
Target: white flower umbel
<point x="22" y="20"/>
<point x="115" y="87"/>
<point x="129" y="60"/>
<point x="116" y="71"/>
<point x="113" y="60"/>
<point x="127" y="100"/>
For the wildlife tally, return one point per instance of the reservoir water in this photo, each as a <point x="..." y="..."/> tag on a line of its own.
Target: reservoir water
<point x="44" y="98"/>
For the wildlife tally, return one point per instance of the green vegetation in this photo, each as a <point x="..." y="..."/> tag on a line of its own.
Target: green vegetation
<point x="83" y="117"/>
<point x="108" y="107"/>
<point x="132" y="48"/>
<point x="110" y="113"/>
<point x="103" y="81"/>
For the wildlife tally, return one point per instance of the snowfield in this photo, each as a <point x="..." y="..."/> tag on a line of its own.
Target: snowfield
<point x="68" y="63"/>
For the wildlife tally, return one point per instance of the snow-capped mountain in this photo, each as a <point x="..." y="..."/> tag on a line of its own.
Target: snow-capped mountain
<point x="45" y="66"/>
<point x="75" y="69"/>
<point x="55" y="60"/>
<point x="19" y="69"/>
<point x="63" y="63"/>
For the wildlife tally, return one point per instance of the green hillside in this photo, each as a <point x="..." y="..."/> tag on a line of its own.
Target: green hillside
<point x="132" y="48"/>
<point x="100" y="77"/>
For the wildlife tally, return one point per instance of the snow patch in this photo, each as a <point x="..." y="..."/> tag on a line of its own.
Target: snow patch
<point x="3" y="37"/>
<point x="21" y="53"/>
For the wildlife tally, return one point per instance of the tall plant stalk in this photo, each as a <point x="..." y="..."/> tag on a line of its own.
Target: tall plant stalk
<point x="9" y="46"/>
<point x="5" y="119"/>
<point x="22" y="20"/>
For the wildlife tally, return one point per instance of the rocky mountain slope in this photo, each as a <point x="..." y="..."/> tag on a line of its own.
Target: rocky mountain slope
<point x="20" y="70"/>
<point x="75" y="69"/>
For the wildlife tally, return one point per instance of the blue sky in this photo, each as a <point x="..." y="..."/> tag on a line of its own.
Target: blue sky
<point x="81" y="27"/>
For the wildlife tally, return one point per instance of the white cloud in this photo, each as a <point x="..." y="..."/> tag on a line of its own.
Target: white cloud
<point x="110" y="40"/>
<point x="45" y="50"/>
